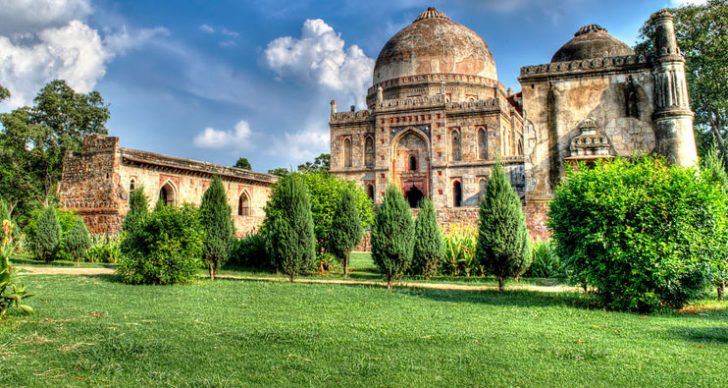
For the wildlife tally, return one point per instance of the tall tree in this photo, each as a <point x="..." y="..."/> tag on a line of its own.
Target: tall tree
<point x="244" y="164"/>
<point x="503" y="247"/>
<point x="279" y="172"/>
<point x="346" y="229"/>
<point x="393" y="235"/>
<point x="216" y="220"/>
<point x="321" y="163"/>
<point x="4" y="93"/>
<point x="429" y="248"/>
<point x="34" y="140"/>
<point x="138" y="207"/>
<point x="702" y="34"/>
<point x="47" y="236"/>
<point x="714" y="172"/>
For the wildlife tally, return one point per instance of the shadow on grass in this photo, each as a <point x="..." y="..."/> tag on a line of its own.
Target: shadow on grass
<point x="26" y="260"/>
<point x="702" y="334"/>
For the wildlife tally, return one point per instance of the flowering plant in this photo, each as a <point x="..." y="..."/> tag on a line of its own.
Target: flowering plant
<point x="11" y="293"/>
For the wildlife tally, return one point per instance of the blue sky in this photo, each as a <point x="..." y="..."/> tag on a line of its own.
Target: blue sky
<point x="218" y="79"/>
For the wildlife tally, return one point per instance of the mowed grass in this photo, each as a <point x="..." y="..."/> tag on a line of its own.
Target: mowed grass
<point x="96" y="331"/>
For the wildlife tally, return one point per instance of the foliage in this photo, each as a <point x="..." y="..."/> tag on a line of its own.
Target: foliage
<point x="546" y="264"/>
<point x="138" y="207"/>
<point x="104" y="249"/>
<point x="393" y="235"/>
<point x="346" y="228"/>
<point x="164" y="248"/>
<point x="11" y="293"/>
<point x="4" y="93"/>
<point x="503" y="243"/>
<point x="460" y="259"/>
<point x="243" y="163"/>
<point x="714" y="173"/>
<point x="249" y="252"/>
<point x="429" y="248"/>
<point x="322" y="164"/>
<point x="46" y="235"/>
<point x="639" y="231"/>
<point x="215" y="216"/>
<point x="702" y="35"/>
<point x="66" y="219"/>
<point x="279" y="172"/>
<point x="4" y="213"/>
<point x="77" y="241"/>
<point x="35" y="139"/>
<point x="288" y="227"/>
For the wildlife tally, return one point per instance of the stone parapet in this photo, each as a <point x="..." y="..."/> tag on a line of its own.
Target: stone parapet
<point x="586" y="66"/>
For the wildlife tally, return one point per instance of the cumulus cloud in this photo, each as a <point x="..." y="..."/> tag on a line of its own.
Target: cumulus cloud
<point x="302" y="145"/>
<point x="206" y="28"/>
<point x="319" y="56"/>
<point x="49" y="40"/>
<point x="212" y="138"/>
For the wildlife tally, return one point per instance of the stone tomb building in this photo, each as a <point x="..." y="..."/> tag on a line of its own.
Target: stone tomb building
<point x="97" y="180"/>
<point x="437" y="118"/>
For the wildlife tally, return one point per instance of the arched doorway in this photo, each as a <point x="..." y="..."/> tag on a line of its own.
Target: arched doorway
<point x="244" y="205"/>
<point x="414" y="196"/>
<point x="457" y="194"/>
<point x="370" y="191"/>
<point x="167" y="194"/>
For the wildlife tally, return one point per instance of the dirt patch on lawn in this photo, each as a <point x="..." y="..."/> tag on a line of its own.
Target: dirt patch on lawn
<point x="33" y="270"/>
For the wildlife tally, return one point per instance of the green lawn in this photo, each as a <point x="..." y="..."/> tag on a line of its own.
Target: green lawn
<point x="96" y="331"/>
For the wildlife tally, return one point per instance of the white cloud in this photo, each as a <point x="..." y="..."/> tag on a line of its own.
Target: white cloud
<point x="212" y="138"/>
<point x="24" y="16"/>
<point x="319" y="56"/>
<point x="303" y="145"/>
<point x="680" y="3"/>
<point x="206" y="28"/>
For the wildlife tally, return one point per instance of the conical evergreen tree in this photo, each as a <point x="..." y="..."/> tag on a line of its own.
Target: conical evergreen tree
<point x="393" y="235"/>
<point x="288" y="228"/>
<point x="138" y="207"/>
<point x="47" y="235"/>
<point x="216" y="220"/>
<point x="346" y="229"/>
<point x="78" y="240"/>
<point x="503" y="242"/>
<point x="429" y="248"/>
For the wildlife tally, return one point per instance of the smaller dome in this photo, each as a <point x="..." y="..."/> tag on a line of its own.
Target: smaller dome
<point x="592" y="41"/>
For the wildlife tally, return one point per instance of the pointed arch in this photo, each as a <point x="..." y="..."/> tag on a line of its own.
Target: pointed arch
<point x="413" y="163"/>
<point x="455" y="146"/>
<point x="347" y="152"/>
<point x="370" y="191"/>
<point x="457" y="194"/>
<point x="244" y="204"/>
<point x="482" y="144"/>
<point x="168" y="194"/>
<point x="369" y="152"/>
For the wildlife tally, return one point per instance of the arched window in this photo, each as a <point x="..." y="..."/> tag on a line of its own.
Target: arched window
<point x="369" y="152"/>
<point x="370" y="191"/>
<point x="482" y="144"/>
<point x="167" y="194"/>
<point x="457" y="194"/>
<point x="457" y="154"/>
<point x="520" y="147"/>
<point x="132" y="185"/>
<point x="347" y="152"/>
<point x="244" y="205"/>
<point x="483" y="186"/>
<point x="412" y="163"/>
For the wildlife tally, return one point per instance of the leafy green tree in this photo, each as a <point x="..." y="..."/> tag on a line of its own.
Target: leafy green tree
<point x="714" y="172"/>
<point x="47" y="236"/>
<point x="280" y="172"/>
<point x="429" y="248"/>
<point x="244" y="164"/>
<point x="4" y="93"/>
<point x="288" y="227"/>
<point x="702" y="35"/>
<point x="138" y="207"/>
<point x="393" y="235"/>
<point x="78" y="240"/>
<point x="503" y="243"/>
<point x="321" y="164"/>
<point x="346" y="229"/>
<point x="34" y="140"/>
<point x="216" y="219"/>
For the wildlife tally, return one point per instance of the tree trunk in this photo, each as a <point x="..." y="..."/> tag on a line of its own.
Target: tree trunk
<point x="346" y="264"/>
<point x="212" y="271"/>
<point x="501" y="284"/>
<point x="389" y="282"/>
<point x="721" y="291"/>
<point x="290" y="277"/>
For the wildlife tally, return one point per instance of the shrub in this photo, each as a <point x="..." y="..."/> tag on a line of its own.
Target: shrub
<point x="138" y="207"/>
<point x="346" y="229"/>
<point x="546" y="263"/>
<point x="11" y="293"/>
<point x="393" y="235"/>
<point x="461" y="243"/>
<point x="288" y="227"/>
<point x="104" y="249"/>
<point x="249" y="252"/>
<point x="714" y="172"/>
<point x="66" y="221"/>
<point x="77" y="241"/>
<point x="639" y="231"/>
<point x="215" y="216"/>
<point x="46" y="235"/>
<point x="503" y="247"/>
<point x="165" y="247"/>
<point x="429" y="248"/>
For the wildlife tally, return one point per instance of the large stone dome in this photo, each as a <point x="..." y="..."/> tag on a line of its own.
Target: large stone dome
<point x="592" y="41"/>
<point x="434" y="44"/>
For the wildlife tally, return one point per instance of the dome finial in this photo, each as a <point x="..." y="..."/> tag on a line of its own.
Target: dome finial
<point x="589" y="29"/>
<point x="431" y="13"/>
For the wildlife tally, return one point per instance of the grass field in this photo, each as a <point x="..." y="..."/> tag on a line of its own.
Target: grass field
<point x="92" y="330"/>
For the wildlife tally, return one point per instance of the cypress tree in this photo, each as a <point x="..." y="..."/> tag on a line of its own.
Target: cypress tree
<point x="503" y="246"/>
<point x="216" y="220"/>
<point x="393" y="235"/>
<point x="346" y="229"/>
<point x="47" y="235"/>
<point x="288" y="229"/>
<point x="78" y="239"/>
<point x="429" y="247"/>
<point x="138" y="207"/>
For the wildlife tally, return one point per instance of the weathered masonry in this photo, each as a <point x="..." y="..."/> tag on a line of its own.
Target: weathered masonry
<point x="97" y="180"/>
<point x="438" y="119"/>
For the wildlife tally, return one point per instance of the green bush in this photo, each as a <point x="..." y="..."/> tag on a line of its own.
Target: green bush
<point x="249" y="252"/>
<point x="66" y="220"/>
<point x="165" y="247"/>
<point x="503" y="243"/>
<point x="461" y="243"/>
<point x="288" y="227"/>
<point x="46" y="235"/>
<point x="138" y="207"/>
<point x="216" y="220"/>
<point x="77" y="241"/>
<point x="104" y="249"/>
<point x="546" y="263"/>
<point x="429" y="248"/>
<point x="393" y="235"/>
<point x="346" y="229"/>
<point x="640" y="232"/>
<point x="714" y="172"/>
<point x="11" y="292"/>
